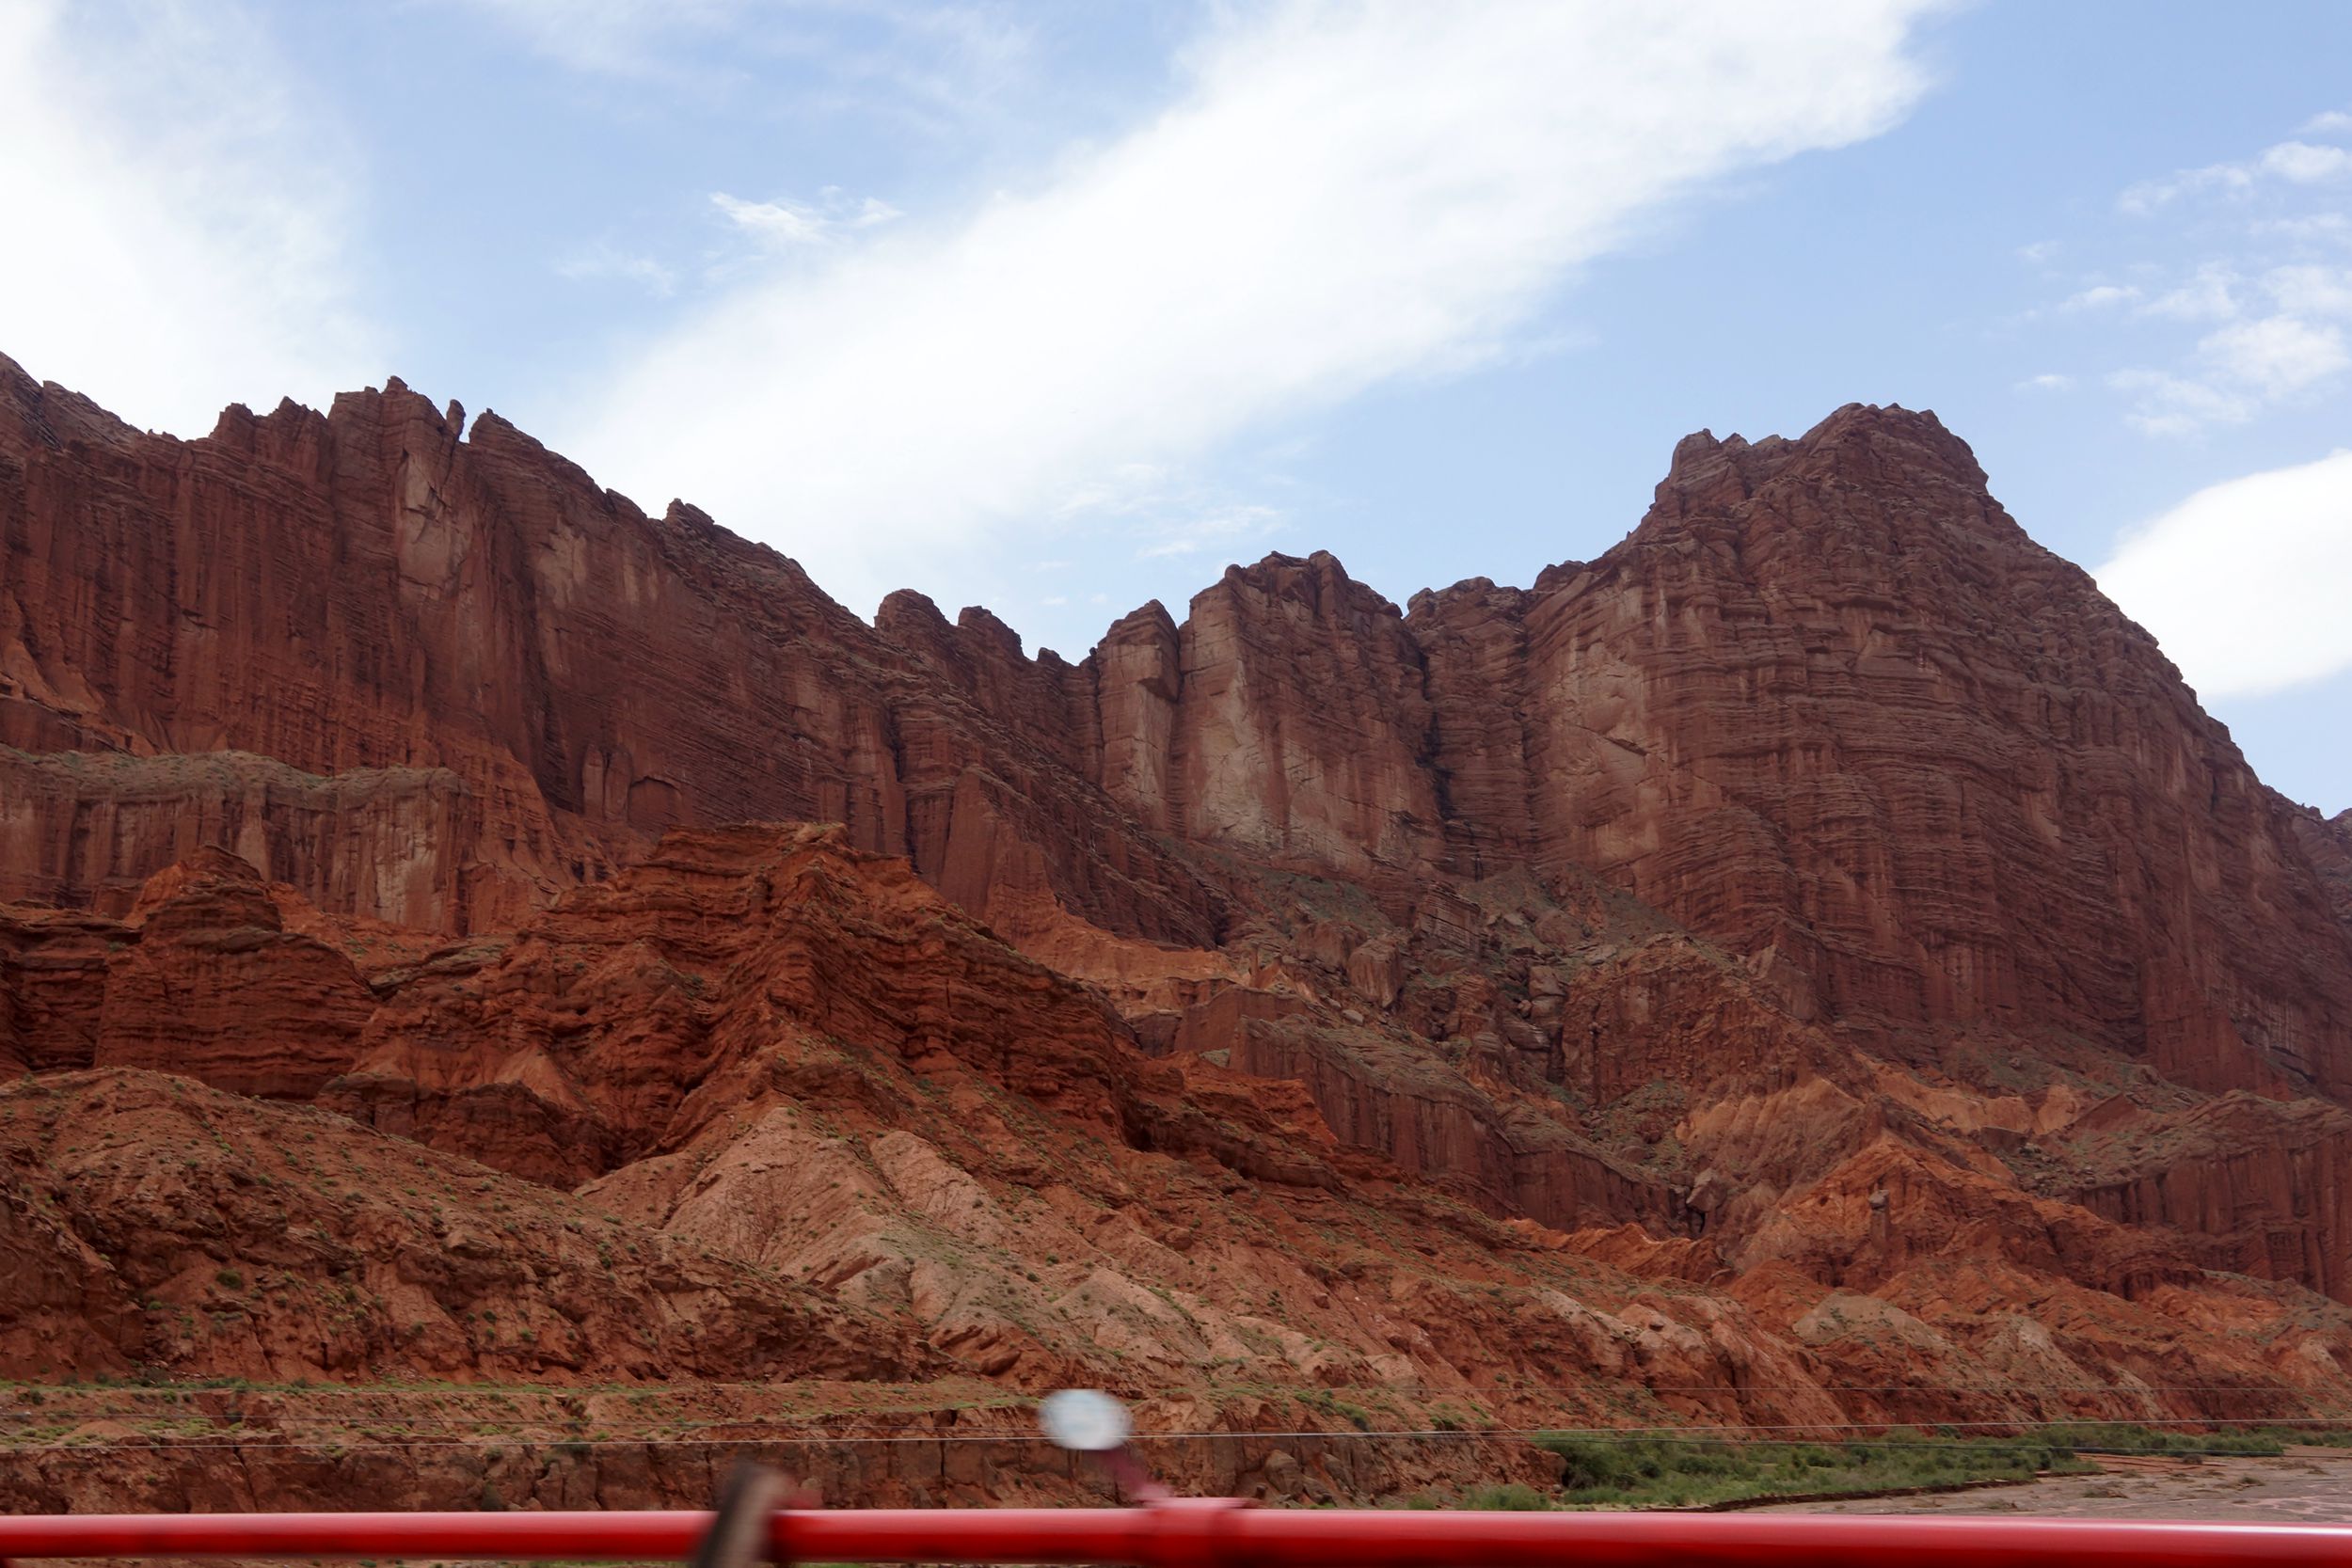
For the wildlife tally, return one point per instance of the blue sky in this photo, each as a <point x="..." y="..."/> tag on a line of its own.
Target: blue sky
<point x="1061" y="306"/>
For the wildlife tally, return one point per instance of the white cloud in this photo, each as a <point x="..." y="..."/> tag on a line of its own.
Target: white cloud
<point x="175" y="214"/>
<point x="1227" y="528"/>
<point x="2277" y="357"/>
<point x="2246" y="358"/>
<point x="2049" y="381"/>
<point x="2245" y="584"/>
<point x="2304" y="229"/>
<point x="2148" y="195"/>
<point x="2238" y="370"/>
<point x="2312" y="291"/>
<point x="2299" y="163"/>
<point x="931" y="61"/>
<point x="2209" y="295"/>
<point x="2168" y="404"/>
<point x="2331" y="122"/>
<point x="2306" y="164"/>
<point x="1341" y="195"/>
<point x="783" y="225"/>
<point x="602" y="261"/>
<point x="618" y="37"/>
<point x="2100" y="296"/>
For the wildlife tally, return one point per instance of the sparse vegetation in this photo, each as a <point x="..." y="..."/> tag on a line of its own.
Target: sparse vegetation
<point x="1662" y="1471"/>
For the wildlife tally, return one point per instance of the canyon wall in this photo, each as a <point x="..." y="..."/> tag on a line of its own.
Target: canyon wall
<point x="1823" y="893"/>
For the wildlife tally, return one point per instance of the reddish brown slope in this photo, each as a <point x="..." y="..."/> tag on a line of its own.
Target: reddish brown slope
<point x="152" y="1223"/>
<point x="824" y="1101"/>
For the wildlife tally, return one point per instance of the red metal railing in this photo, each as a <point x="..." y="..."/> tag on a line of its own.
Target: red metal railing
<point x="1204" y="1534"/>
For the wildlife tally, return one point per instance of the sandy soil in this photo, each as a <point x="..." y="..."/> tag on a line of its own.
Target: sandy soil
<point x="2303" y="1486"/>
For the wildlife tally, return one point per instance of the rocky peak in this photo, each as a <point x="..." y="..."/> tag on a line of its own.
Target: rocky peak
<point x="42" y="413"/>
<point x="1149" y="624"/>
<point x="980" y="625"/>
<point x="1318" y="580"/>
<point x="913" y="621"/>
<point x="1890" y="448"/>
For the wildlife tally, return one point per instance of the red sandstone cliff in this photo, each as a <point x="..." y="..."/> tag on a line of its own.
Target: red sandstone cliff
<point x="1827" y="707"/>
<point x="1824" y="901"/>
<point x="501" y="679"/>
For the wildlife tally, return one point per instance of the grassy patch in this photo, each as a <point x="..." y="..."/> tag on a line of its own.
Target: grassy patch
<point x="1675" y="1472"/>
<point x="2126" y="1437"/>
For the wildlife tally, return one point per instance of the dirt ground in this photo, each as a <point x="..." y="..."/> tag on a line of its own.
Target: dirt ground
<point x="2302" y="1486"/>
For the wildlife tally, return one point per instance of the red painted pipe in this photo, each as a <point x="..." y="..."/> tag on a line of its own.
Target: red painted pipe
<point x="1208" y="1534"/>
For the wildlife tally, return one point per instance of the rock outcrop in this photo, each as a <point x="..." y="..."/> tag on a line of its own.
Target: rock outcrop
<point x="202" y="977"/>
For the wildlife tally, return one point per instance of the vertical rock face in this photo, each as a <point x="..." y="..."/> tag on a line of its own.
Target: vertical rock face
<point x="610" y="1024"/>
<point x="2328" y="841"/>
<point x="1829" y="706"/>
<point x="1474" y="637"/>
<point x="1136" y="672"/>
<point x="375" y="589"/>
<point x="2265" y="1188"/>
<point x="1302" y="728"/>
<point x="402" y="844"/>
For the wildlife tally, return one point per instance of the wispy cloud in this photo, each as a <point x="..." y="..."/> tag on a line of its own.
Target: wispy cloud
<point x="2307" y="289"/>
<point x="2168" y="404"/>
<point x="176" y="213"/>
<point x="604" y="262"/>
<point x="2267" y="314"/>
<point x="933" y="62"/>
<point x="785" y="224"/>
<point x="1340" y="195"/>
<point x="2297" y="163"/>
<point x="2210" y="294"/>
<point x="2276" y="356"/>
<point x="2234" y="373"/>
<point x="1229" y="528"/>
<point x="2100" y="296"/>
<point x="618" y="37"/>
<point x="2244" y="582"/>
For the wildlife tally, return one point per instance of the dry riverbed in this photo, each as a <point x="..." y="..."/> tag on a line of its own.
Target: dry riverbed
<point x="2301" y="1486"/>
